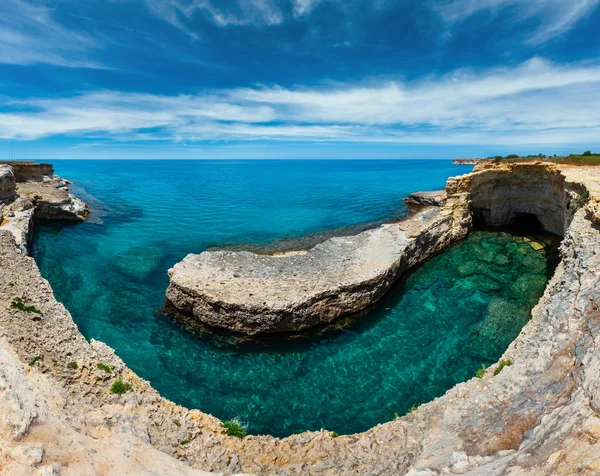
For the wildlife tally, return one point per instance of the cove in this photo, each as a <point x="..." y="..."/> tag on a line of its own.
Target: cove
<point x="459" y="310"/>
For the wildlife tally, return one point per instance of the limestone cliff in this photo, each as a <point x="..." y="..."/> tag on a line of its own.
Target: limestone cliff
<point x="25" y="190"/>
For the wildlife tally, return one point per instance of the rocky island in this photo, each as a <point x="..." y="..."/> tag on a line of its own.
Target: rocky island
<point x="69" y="406"/>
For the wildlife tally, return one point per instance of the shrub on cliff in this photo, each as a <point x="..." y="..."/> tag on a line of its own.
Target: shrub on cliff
<point x="120" y="387"/>
<point x="107" y="368"/>
<point x="235" y="428"/>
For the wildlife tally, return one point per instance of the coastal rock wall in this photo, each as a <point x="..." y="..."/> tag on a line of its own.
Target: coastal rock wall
<point x="27" y="170"/>
<point x="499" y="195"/>
<point x="8" y="190"/>
<point x="45" y="196"/>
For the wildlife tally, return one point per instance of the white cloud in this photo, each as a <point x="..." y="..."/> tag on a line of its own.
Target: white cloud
<point x="555" y="17"/>
<point x="303" y="7"/>
<point x="243" y="12"/>
<point x="29" y="34"/>
<point x="535" y="102"/>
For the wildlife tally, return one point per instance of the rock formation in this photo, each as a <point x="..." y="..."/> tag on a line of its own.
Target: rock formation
<point x="417" y="200"/>
<point x="540" y="416"/>
<point x="8" y="190"/>
<point x="256" y="294"/>
<point x="25" y="190"/>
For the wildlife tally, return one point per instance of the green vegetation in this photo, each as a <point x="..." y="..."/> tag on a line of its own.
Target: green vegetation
<point x="177" y="422"/>
<point x="235" y="428"/>
<point x="586" y="158"/>
<point x="481" y="372"/>
<point x="119" y="387"/>
<point x="33" y="361"/>
<point x="184" y="442"/>
<point x="413" y="408"/>
<point x="579" y="202"/>
<point x="335" y="434"/>
<point x="72" y="365"/>
<point x="18" y="303"/>
<point x="107" y="368"/>
<point x="503" y="363"/>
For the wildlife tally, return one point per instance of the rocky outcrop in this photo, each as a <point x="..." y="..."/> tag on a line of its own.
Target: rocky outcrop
<point x="52" y="199"/>
<point x="257" y="294"/>
<point x="500" y="194"/>
<point x="426" y="199"/>
<point x="8" y="190"/>
<point x="45" y="196"/>
<point x="469" y="161"/>
<point x="26" y="170"/>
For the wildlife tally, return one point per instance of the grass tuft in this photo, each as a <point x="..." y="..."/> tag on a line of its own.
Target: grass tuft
<point x="34" y="361"/>
<point x="18" y="303"/>
<point x="501" y="365"/>
<point x="481" y="372"/>
<point x="72" y="365"/>
<point x="107" y="368"/>
<point x="120" y="387"/>
<point x="235" y="428"/>
<point x="177" y="422"/>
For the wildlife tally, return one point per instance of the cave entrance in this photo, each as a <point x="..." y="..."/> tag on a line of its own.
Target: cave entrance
<point x="527" y="223"/>
<point x="519" y="222"/>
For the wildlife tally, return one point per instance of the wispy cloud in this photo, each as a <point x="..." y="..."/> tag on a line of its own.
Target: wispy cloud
<point x="29" y="34"/>
<point x="555" y="17"/>
<point x="535" y="102"/>
<point x="180" y="13"/>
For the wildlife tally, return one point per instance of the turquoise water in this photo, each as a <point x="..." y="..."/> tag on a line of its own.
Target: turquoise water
<point x="461" y="309"/>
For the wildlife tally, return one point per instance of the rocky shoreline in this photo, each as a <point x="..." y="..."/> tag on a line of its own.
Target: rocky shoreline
<point x="28" y="189"/>
<point x="539" y="416"/>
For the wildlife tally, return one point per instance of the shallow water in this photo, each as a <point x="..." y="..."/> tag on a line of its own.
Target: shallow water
<point x="459" y="310"/>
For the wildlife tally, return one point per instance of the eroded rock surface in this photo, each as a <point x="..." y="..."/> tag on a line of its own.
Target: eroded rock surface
<point x="26" y="190"/>
<point x="426" y="199"/>
<point x="8" y="189"/>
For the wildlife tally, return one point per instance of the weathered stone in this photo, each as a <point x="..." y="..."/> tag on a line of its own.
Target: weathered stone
<point x="25" y="170"/>
<point x="7" y="184"/>
<point x="426" y="199"/>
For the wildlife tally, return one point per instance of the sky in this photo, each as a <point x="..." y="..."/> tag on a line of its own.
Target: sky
<point x="298" y="78"/>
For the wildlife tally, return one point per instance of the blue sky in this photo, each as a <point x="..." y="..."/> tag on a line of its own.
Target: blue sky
<point x="298" y="78"/>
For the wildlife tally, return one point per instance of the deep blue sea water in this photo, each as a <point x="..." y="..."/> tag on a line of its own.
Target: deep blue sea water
<point x="461" y="309"/>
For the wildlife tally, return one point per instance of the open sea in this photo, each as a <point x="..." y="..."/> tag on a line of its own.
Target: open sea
<point x="458" y="311"/>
